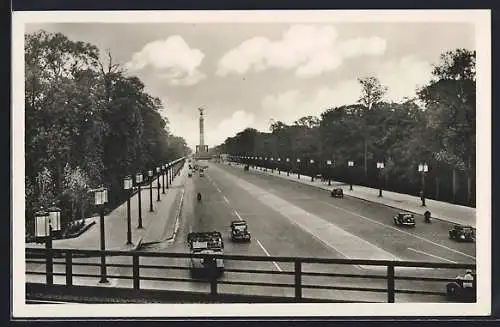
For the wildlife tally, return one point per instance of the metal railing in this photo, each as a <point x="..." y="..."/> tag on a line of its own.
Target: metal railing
<point x="384" y="283"/>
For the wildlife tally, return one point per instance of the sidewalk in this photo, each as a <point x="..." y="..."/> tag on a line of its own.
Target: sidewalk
<point x="440" y="210"/>
<point x="115" y="223"/>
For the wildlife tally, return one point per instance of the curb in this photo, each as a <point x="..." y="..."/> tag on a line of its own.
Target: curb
<point x="445" y="219"/>
<point x="176" y="226"/>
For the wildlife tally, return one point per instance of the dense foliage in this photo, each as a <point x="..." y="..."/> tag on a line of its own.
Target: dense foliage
<point x="439" y="130"/>
<point x="86" y="124"/>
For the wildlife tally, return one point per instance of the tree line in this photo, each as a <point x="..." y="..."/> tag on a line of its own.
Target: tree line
<point x="437" y="126"/>
<point x="87" y="123"/>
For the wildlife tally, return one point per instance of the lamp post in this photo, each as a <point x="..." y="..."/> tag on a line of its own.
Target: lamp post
<point x="127" y="185"/>
<point x="380" y="166"/>
<point x="43" y="229"/>
<point x="55" y="218"/>
<point x="329" y="164"/>
<point x="272" y="165"/>
<point x="312" y="169"/>
<point x="167" y="168"/>
<point x="158" y="183"/>
<point x="279" y="168"/>
<point x="150" y="174"/>
<point x="163" y="178"/>
<point x="350" y="164"/>
<point x="287" y="167"/>
<point x="138" y="180"/>
<point x="423" y="168"/>
<point x="101" y="198"/>
<point x="298" y="168"/>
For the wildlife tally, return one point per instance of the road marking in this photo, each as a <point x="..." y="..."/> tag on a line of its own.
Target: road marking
<point x="238" y="215"/>
<point x="267" y="253"/>
<point x="399" y="230"/>
<point x="431" y="255"/>
<point x="225" y="199"/>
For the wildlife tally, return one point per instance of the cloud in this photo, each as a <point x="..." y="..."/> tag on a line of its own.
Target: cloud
<point x="171" y="59"/>
<point x="229" y="127"/>
<point x="402" y="77"/>
<point x="308" y="49"/>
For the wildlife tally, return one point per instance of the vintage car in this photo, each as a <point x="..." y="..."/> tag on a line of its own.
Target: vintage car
<point x="404" y="219"/>
<point x="462" y="233"/>
<point x="455" y="291"/>
<point x="207" y="244"/>
<point x="202" y="173"/>
<point x="239" y="231"/>
<point x="337" y="193"/>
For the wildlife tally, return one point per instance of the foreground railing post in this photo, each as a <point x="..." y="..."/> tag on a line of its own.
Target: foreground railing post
<point x="69" y="268"/>
<point x="49" y="255"/>
<point x="390" y="283"/>
<point x="213" y="283"/>
<point x="298" y="281"/>
<point x="135" y="271"/>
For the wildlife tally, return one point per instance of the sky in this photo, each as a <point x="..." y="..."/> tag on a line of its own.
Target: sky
<point x="248" y="74"/>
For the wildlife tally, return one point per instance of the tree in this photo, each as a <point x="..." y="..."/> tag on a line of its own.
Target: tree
<point x="450" y="100"/>
<point x="372" y="92"/>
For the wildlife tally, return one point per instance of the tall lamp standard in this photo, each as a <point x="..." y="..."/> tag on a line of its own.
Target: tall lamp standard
<point x="298" y="168"/>
<point x="423" y="168"/>
<point x="43" y="229"/>
<point x="312" y="169"/>
<point x="158" y="182"/>
<point x="350" y="164"/>
<point x="127" y="185"/>
<point x="138" y="180"/>
<point x="266" y="163"/>
<point x="272" y="165"/>
<point x="101" y="198"/>
<point x="150" y="174"/>
<point x="279" y="168"/>
<point x="163" y="178"/>
<point x="329" y="164"/>
<point x="287" y="167"/>
<point x="380" y="166"/>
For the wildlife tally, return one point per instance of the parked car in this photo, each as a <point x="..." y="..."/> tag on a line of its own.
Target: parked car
<point x="404" y="219"/>
<point x="337" y="193"/>
<point x="462" y="233"/>
<point x="239" y="231"/>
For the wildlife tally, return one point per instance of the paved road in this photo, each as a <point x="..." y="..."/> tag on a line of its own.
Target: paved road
<point x="290" y="219"/>
<point x="273" y="208"/>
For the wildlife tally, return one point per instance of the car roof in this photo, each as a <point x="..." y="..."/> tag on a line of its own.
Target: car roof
<point x="238" y="222"/>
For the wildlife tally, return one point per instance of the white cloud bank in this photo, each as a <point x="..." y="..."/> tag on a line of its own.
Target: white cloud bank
<point x="171" y="59"/>
<point x="402" y="77"/>
<point x="308" y="49"/>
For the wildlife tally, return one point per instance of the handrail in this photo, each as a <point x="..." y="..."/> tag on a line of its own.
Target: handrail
<point x="300" y="278"/>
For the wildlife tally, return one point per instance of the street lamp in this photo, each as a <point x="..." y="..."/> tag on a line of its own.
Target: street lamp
<point x="163" y="178"/>
<point x="350" y="164"/>
<point x="380" y="166"/>
<point x="312" y="169"/>
<point x="101" y="198"/>
<point x="329" y="164"/>
<point x="279" y="168"/>
<point x="287" y="167"/>
<point x="127" y="185"/>
<point x="150" y="174"/>
<point x="55" y="218"/>
<point x="158" y="182"/>
<point x="423" y="168"/>
<point x="138" y="180"/>
<point x="298" y="168"/>
<point x="43" y="229"/>
<point x="272" y="166"/>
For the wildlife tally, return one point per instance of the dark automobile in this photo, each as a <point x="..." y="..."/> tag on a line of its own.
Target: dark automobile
<point x="337" y="193"/>
<point x="456" y="291"/>
<point x="239" y="231"/>
<point x="462" y="233"/>
<point x="404" y="219"/>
